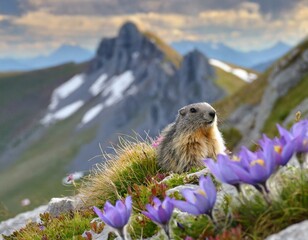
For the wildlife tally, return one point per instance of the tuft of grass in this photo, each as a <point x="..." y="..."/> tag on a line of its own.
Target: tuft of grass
<point x="260" y="220"/>
<point x="133" y="163"/>
<point x="284" y="105"/>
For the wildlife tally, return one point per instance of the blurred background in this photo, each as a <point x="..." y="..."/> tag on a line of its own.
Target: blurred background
<point x="75" y="75"/>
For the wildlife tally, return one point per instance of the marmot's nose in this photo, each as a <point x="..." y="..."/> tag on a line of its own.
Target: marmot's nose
<point x="212" y="114"/>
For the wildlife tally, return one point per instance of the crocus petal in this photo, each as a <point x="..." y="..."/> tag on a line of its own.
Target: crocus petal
<point x="152" y="212"/>
<point x="284" y="133"/>
<point x="188" y="194"/>
<point x="150" y="216"/>
<point x="202" y="203"/>
<point x="108" y="206"/>
<point x="163" y="216"/>
<point x="210" y="190"/>
<point x="186" y="207"/>
<point x="115" y="218"/>
<point x="101" y="216"/>
<point x="98" y="212"/>
<point x="157" y="202"/>
<point x="287" y="153"/>
<point x="128" y="204"/>
<point x="122" y="210"/>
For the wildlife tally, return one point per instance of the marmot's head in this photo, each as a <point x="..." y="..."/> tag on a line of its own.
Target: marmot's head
<point x="196" y="116"/>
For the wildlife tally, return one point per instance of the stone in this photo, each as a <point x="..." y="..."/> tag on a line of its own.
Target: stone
<point x="61" y="205"/>
<point x="7" y="227"/>
<point x="294" y="232"/>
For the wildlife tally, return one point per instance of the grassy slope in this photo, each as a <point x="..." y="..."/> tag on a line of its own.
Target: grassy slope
<point x="252" y="94"/>
<point x="38" y="173"/>
<point x="24" y="95"/>
<point x="285" y="105"/>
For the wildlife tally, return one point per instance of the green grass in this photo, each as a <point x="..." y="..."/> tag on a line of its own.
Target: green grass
<point x="249" y="94"/>
<point x="228" y="81"/>
<point x="259" y="219"/>
<point x="285" y="105"/>
<point x="37" y="174"/>
<point x="28" y="93"/>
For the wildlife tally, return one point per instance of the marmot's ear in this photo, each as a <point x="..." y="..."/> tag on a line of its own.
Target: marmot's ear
<point x="182" y="112"/>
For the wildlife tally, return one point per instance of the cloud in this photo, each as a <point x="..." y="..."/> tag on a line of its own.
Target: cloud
<point x="122" y="7"/>
<point x="243" y="27"/>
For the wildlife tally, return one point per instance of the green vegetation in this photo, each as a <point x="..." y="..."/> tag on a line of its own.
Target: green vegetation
<point x="134" y="163"/>
<point x="27" y="94"/>
<point x="249" y="94"/>
<point x="285" y="105"/>
<point x="228" y="81"/>
<point x="247" y="216"/>
<point x="38" y="172"/>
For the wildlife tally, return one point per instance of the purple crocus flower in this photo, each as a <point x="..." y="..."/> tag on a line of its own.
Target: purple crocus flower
<point x="246" y="167"/>
<point x="298" y="134"/>
<point x="256" y="167"/>
<point x="222" y="169"/>
<point x="160" y="213"/>
<point x="116" y="216"/>
<point x="198" y="201"/>
<point x="284" y="150"/>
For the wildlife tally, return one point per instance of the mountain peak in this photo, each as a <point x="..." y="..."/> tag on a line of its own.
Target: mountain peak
<point x="128" y="29"/>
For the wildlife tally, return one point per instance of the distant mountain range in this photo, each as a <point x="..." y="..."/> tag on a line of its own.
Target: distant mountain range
<point x="256" y="60"/>
<point x="219" y="51"/>
<point x="64" y="54"/>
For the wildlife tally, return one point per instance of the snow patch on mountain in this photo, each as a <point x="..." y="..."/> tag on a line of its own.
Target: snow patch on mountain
<point x="91" y="114"/>
<point x="117" y="87"/>
<point x="64" y="90"/>
<point x="63" y="113"/>
<point x="98" y="86"/>
<point x="241" y="73"/>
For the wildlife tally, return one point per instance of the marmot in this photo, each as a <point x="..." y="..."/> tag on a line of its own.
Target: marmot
<point x="193" y="137"/>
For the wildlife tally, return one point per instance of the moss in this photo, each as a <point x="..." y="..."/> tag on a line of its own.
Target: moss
<point x="284" y="105"/>
<point x="66" y="226"/>
<point x="194" y="226"/>
<point x="141" y="227"/>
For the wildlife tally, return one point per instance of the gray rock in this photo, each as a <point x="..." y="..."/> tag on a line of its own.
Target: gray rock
<point x="61" y="205"/>
<point x="7" y="227"/>
<point x="286" y="74"/>
<point x="295" y="232"/>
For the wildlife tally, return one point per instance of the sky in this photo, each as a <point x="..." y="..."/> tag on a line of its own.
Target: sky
<point x="35" y="27"/>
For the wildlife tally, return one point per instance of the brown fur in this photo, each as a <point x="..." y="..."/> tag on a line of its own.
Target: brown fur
<point x="184" y="147"/>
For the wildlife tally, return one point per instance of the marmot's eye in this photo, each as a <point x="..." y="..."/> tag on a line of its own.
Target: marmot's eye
<point x="192" y="110"/>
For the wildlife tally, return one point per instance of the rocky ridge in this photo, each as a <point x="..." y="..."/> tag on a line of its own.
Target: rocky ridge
<point x="283" y="76"/>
